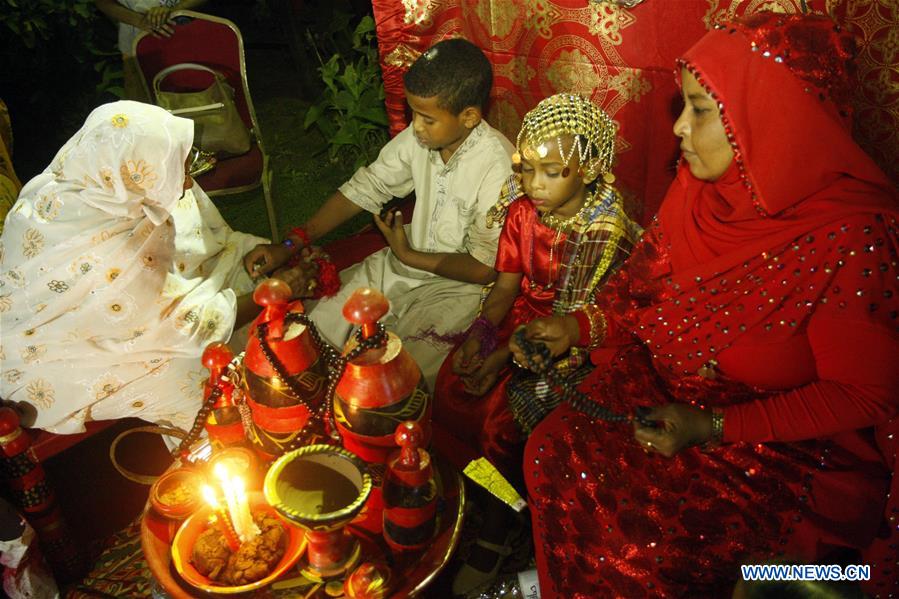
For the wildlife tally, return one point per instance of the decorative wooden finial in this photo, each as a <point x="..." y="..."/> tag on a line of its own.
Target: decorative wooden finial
<point x="365" y="307"/>
<point x="272" y="292"/>
<point x="409" y="437"/>
<point x="216" y="358"/>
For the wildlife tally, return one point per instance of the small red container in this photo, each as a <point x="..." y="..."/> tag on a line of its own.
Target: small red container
<point x="176" y="494"/>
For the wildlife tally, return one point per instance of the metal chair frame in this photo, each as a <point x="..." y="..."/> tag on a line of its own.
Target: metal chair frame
<point x="265" y="178"/>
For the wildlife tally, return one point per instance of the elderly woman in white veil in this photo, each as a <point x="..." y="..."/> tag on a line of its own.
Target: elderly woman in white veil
<point x="115" y="272"/>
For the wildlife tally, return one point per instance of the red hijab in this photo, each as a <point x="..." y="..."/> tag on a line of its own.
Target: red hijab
<point x="767" y="241"/>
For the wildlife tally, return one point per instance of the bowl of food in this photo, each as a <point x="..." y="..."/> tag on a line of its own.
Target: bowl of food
<point x="176" y="494"/>
<point x="201" y="555"/>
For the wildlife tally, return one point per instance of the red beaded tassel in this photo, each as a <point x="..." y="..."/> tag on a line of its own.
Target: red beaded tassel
<point x="33" y="494"/>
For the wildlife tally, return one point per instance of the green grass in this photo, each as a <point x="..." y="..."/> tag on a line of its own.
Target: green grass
<point x="302" y="175"/>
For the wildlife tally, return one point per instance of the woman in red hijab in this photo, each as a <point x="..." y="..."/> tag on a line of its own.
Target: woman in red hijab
<point x="757" y="319"/>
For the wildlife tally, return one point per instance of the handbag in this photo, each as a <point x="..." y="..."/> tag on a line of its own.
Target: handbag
<point x="218" y="127"/>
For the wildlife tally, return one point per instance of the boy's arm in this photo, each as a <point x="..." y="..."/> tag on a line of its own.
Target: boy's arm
<point x="459" y="267"/>
<point x="266" y="258"/>
<point x="336" y="210"/>
<point x="471" y="266"/>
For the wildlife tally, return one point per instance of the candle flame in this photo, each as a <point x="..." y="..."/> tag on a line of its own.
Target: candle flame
<point x="221" y="471"/>
<point x="209" y="496"/>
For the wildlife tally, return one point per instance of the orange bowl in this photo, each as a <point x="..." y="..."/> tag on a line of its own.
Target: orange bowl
<point x="183" y="545"/>
<point x="176" y="494"/>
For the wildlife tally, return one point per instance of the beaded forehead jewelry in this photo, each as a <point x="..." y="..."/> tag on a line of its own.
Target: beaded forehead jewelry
<point x="592" y="130"/>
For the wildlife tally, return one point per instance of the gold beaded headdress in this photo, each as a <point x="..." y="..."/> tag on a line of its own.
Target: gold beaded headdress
<point x="593" y="137"/>
<point x="561" y="115"/>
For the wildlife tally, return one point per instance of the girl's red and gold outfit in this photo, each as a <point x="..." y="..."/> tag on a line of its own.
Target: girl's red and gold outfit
<point x="542" y="254"/>
<point x="770" y="294"/>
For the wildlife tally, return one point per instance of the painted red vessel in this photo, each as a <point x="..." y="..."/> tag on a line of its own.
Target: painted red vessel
<point x="285" y="377"/>
<point x="380" y="388"/>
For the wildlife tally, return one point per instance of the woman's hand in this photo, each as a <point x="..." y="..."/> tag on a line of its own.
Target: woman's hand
<point x="486" y="376"/>
<point x="558" y="333"/>
<point x="265" y="258"/>
<point x="301" y="278"/>
<point x="467" y="359"/>
<point x="391" y="226"/>
<point x="677" y="426"/>
<point x="156" y="20"/>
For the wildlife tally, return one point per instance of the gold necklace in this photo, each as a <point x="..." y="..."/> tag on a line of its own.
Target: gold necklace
<point x="551" y="279"/>
<point x="560" y="224"/>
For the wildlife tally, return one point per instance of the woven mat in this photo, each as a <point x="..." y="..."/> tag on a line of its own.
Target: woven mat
<point x="120" y="569"/>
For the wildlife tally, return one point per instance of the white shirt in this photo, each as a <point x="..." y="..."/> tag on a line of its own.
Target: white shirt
<point x="451" y="199"/>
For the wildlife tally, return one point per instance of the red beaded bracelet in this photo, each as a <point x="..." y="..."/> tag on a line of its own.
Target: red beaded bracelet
<point x="300" y="233"/>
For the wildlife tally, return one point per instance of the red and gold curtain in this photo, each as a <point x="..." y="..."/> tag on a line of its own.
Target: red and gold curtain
<point x="623" y="58"/>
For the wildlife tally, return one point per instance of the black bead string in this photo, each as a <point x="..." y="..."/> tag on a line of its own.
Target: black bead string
<point x="335" y="360"/>
<point x="199" y="422"/>
<point x="321" y="414"/>
<point x="277" y="366"/>
<point x="579" y="401"/>
<point x="336" y="363"/>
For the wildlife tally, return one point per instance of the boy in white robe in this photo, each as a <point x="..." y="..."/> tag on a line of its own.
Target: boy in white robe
<point x="436" y="266"/>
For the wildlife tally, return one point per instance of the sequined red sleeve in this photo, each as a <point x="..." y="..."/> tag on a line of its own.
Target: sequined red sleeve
<point x="857" y="386"/>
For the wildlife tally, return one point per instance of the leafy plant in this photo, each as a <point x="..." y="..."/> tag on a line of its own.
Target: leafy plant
<point x="350" y="113"/>
<point x="59" y="38"/>
<point x="58" y="59"/>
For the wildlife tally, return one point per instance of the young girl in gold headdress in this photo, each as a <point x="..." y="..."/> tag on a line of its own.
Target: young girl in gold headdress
<point x="564" y="231"/>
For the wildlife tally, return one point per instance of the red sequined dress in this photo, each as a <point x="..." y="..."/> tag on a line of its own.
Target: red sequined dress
<point x="780" y="288"/>
<point x="471" y="426"/>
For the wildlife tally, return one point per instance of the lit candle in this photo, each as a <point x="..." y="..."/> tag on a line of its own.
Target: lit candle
<point x="230" y="499"/>
<point x="222" y="517"/>
<point x="249" y="530"/>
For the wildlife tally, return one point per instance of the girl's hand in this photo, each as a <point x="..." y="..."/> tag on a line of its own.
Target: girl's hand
<point x="558" y="333"/>
<point x="677" y="426"/>
<point x="486" y="376"/>
<point x="466" y="359"/>
<point x="265" y="258"/>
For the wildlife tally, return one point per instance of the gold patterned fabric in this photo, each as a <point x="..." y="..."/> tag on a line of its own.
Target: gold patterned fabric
<point x="623" y="59"/>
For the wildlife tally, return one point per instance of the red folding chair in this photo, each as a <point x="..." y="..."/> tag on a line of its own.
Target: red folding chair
<point x="216" y="43"/>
